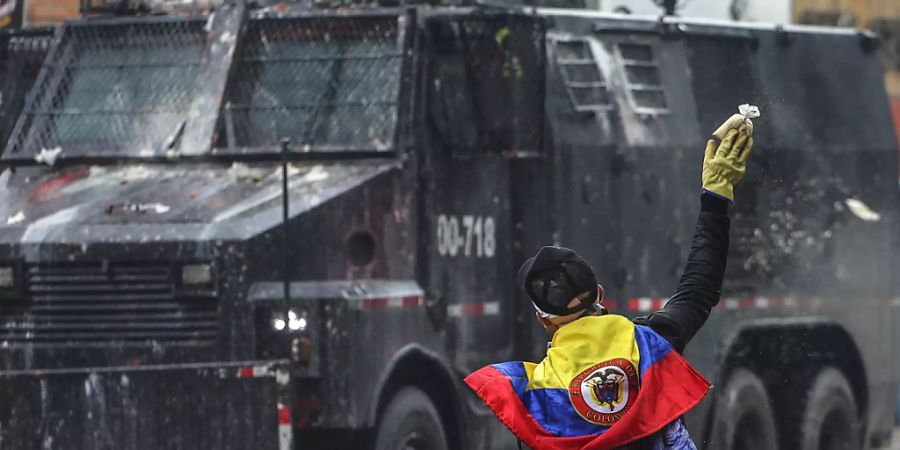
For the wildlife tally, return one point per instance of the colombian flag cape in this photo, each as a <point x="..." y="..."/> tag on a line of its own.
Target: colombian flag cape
<point x="604" y="383"/>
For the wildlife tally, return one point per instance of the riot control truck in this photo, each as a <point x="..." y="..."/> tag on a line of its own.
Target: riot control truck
<point x="295" y="226"/>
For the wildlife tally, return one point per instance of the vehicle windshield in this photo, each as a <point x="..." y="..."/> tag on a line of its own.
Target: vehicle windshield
<point x="165" y="88"/>
<point x="329" y="83"/>
<point x="121" y="89"/>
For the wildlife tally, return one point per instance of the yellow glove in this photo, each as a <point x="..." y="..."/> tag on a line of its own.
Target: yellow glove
<point x="724" y="167"/>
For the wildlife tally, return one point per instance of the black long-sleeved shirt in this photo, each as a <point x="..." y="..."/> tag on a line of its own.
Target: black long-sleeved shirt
<point x="701" y="282"/>
<point x="700" y="286"/>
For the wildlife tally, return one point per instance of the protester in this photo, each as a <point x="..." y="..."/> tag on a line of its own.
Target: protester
<point x="608" y="382"/>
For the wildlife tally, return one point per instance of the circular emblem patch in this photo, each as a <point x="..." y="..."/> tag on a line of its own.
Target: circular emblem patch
<point x="603" y="392"/>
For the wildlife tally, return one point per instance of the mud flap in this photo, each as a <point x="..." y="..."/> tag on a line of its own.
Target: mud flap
<point x="221" y="406"/>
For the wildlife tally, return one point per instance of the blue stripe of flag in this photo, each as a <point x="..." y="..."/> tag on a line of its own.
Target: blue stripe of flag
<point x="551" y="408"/>
<point x="653" y="347"/>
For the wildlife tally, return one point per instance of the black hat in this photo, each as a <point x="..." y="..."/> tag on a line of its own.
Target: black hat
<point x="556" y="276"/>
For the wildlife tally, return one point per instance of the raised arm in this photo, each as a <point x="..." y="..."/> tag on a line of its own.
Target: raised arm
<point x="701" y="283"/>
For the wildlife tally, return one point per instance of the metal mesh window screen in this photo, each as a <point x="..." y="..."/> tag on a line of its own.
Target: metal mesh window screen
<point x="328" y="82"/>
<point x="21" y="56"/>
<point x="587" y="89"/>
<point x="642" y="77"/>
<point x="487" y="81"/>
<point x="117" y="88"/>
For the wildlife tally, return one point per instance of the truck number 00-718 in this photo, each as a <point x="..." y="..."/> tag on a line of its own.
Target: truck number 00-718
<point x="466" y="236"/>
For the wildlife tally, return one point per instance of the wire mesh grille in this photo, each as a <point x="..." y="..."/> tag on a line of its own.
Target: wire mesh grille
<point x="21" y="56"/>
<point x="487" y="81"/>
<point x="102" y="303"/>
<point x="117" y="88"/>
<point x="642" y="77"/>
<point x="328" y="82"/>
<point x="587" y="89"/>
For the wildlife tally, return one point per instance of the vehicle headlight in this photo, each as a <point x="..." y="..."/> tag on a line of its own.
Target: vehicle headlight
<point x="7" y="277"/>
<point x="278" y="323"/>
<point x="296" y="322"/>
<point x="196" y="274"/>
<point x="293" y="321"/>
<point x="284" y="333"/>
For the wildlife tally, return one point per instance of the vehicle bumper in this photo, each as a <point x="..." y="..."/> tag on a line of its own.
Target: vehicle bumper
<point x="212" y="405"/>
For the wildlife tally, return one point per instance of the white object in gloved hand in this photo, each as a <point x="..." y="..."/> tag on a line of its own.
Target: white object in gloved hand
<point x="745" y="113"/>
<point x="749" y="111"/>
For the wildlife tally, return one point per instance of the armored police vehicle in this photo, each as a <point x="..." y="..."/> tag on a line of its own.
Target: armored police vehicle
<point x="296" y="227"/>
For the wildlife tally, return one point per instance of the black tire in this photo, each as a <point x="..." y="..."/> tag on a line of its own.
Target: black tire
<point x="410" y="422"/>
<point x="743" y="417"/>
<point x="829" y="417"/>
